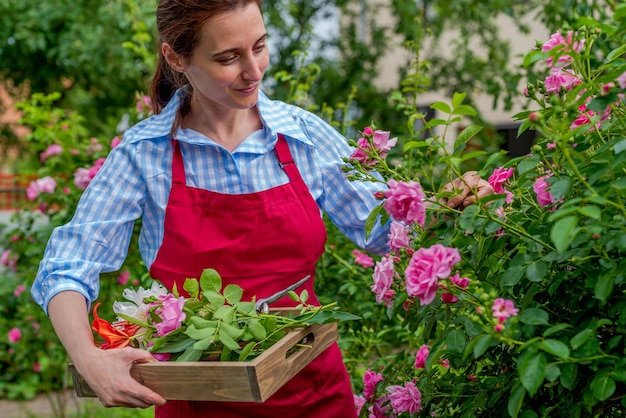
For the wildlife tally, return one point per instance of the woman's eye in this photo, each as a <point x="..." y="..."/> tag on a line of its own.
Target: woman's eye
<point x="259" y="48"/>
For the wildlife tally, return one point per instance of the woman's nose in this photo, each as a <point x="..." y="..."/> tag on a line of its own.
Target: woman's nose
<point x="253" y="70"/>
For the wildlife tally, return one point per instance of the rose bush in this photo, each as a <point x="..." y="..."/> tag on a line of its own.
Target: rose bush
<point x="513" y="306"/>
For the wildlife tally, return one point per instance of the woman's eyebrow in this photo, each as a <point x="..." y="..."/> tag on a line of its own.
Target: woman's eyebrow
<point x="227" y="51"/>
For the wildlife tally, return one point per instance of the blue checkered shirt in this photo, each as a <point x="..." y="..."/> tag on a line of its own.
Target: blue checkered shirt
<point x="135" y="182"/>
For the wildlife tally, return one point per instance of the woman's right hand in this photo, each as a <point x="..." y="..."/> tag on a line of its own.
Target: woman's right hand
<point x="106" y="371"/>
<point x="108" y="374"/>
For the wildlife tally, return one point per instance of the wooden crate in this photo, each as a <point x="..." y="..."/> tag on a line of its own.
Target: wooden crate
<point x="232" y="381"/>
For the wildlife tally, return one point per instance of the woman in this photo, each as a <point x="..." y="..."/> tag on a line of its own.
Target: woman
<point x="222" y="177"/>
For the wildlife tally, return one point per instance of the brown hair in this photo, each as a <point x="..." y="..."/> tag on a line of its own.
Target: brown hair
<point x="180" y="23"/>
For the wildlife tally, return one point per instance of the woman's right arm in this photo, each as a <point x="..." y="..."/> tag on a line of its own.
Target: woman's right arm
<point x="106" y="371"/>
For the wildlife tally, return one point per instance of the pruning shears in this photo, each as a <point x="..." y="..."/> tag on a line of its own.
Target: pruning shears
<point x="262" y="305"/>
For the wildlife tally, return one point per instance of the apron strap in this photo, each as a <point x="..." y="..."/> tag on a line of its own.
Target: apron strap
<point x="285" y="159"/>
<point x="178" y="167"/>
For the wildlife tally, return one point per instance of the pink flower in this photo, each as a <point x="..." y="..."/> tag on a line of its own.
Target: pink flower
<point x="362" y="259"/>
<point x="462" y="282"/>
<point x="53" y="149"/>
<point x="384" y="273"/>
<point x="503" y="309"/>
<point x="568" y="44"/>
<point x="36" y="367"/>
<point x="122" y="279"/>
<point x="372" y="144"/>
<point x="498" y="179"/>
<point x="19" y="290"/>
<point x="42" y="185"/>
<point x="558" y="80"/>
<point x="94" y="146"/>
<point x="359" y="401"/>
<point x="405" y="202"/>
<point x="379" y="409"/>
<point x="170" y="310"/>
<point x="405" y="399"/>
<point x="115" y="141"/>
<point x="83" y="176"/>
<point x="398" y="237"/>
<point x="9" y="260"/>
<point x="621" y="80"/>
<point x="421" y="356"/>
<point x="544" y="197"/>
<point x="15" y="334"/>
<point x="426" y="267"/>
<point x="498" y="328"/>
<point x="370" y="380"/>
<point x="144" y="104"/>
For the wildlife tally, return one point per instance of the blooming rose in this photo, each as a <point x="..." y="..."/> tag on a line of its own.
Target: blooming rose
<point x="405" y="202"/>
<point x="43" y="185"/>
<point x="384" y="273"/>
<point x="53" y="149"/>
<point x="359" y="401"/>
<point x="170" y="310"/>
<point x="115" y="141"/>
<point x="372" y="143"/>
<point x="503" y="309"/>
<point x="558" y="80"/>
<point x="405" y="399"/>
<point x="83" y="176"/>
<point x="398" y="237"/>
<point x="19" y="290"/>
<point x="544" y="197"/>
<point x="497" y="180"/>
<point x="15" y="334"/>
<point x="370" y="380"/>
<point x="462" y="282"/>
<point x="621" y="80"/>
<point x="362" y="259"/>
<point x="426" y="267"/>
<point x="557" y="39"/>
<point x="9" y="259"/>
<point x="421" y="356"/>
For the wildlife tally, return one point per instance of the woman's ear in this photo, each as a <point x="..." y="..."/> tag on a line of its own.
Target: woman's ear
<point x="172" y="58"/>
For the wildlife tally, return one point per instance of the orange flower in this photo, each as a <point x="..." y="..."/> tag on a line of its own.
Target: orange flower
<point x="116" y="335"/>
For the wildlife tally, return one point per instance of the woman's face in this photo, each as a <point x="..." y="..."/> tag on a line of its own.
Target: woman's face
<point x="228" y="65"/>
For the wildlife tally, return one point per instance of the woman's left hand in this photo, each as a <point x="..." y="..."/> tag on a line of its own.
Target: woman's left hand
<point x="466" y="190"/>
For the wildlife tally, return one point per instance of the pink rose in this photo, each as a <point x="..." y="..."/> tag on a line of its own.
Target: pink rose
<point x="115" y="141"/>
<point x="384" y="274"/>
<point x="370" y="380"/>
<point x="19" y="290"/>
<point x="498" y="179"/>
<point x="567" y="43"/>
<point x="122" y="279"/>
<point x="405" y="202"/>
<point x="421" y="356"/>
<point x="426" y="267"/>
<point x="373" y="143"/>
<point x="81" y="178"/>
<point x="503" y="309"/>
<point x="405" y="399"/>
<point x="621" y="80"/>
<point x="544" y="197"/>
<point x="359" y="401"/>
<point x="558" y="80"/>
<point x="15" y="334"/>
<point x="398" y="237"/>
<point x="43" y="185"/>
<point x="362" y="259"/>
<point x="461" y="282"/>
<point x="170" y="310"/>
<point x="53" y="149"/>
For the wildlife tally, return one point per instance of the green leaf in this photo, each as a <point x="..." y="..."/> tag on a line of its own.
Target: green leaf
<point x="215" y="299"/>
<point x="304" y="296"/>
<point x="232" y="331"/>
<point x="457" y="98"/>
<point x="243" y="356"/>
<point x="604" y="287"/>
<point x="556" y="348"/>
<point x="225" y="354"/>
<point x="226" y="313"/>
<point x="174" y="347"/>
<point x="466" y="134"/>
<point x="203" y="344"/>
<point x="534" y="316"/>
<point x="256" y="329"/>
<point x="455" y="341"/>
<point x="465" y="110"/>
<point x="590" y="211"/>
<point x="512" y="276"/>
<point x="227" y="340"/>
<point x="210" y="280"/>
<point x="603" y="386"/>
<point x="233" y="293"/>
<point x="554" y="329"/>
<point x="199" y="334"/>
<point x="192" y="287"/>
<point x="552" y="372"/>
<point x="535" y="272"/>
<point x="190" y="354"/>
<point x="616" y="53"/>
<point x="563" y="232"/>
<point x="569" y="371"/>
<point x="442" y="107"/>
<point x="620" y="146"/>
<point x="483" y="343"/>
<point x="370" y="222"/>
<point x="515" y="400"/>
<point x="580" y="338"/>
<point x="560" y="187"/>
<point x="531" y="371"/>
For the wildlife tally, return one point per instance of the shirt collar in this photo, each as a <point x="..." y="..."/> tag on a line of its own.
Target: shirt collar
<point x="276" y="116"/>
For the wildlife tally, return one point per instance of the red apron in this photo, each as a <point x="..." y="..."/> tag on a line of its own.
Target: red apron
<point x="263" y="242"/>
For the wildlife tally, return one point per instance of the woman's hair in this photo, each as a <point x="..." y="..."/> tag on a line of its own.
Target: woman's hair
<point x="180" y="24"/>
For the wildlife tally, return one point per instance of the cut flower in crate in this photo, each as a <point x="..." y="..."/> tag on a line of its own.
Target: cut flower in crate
<point x="213" y="323"/>
<point x="513" y="306"/>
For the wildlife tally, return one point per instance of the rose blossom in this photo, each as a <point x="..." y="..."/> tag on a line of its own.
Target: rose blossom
<point x="384" y="273"/>
<point x="621" y="80"/>
<point x="558" y="80"/>
<point x="362" y="259"/>
<point x="557" y="39"/>
<point x="421" y="356"/>
<point x="398" y="236"/>
<point x="497" y="180"/>
<point x="359" y="401"/>
<point x="462" y="282"/>
<point x="122" y="279"/>
<point x="370" y="380"/>
<point x="379" y="409"/>
<point x="544" y="197"/>
<point x="170" y="310"/>
<point x="405" y="202"/>
<point x="115" y="141"/>
<point x="8" y="259"/>
<point x="503" y="309"/>
<point x="15" y="334"/>
<point x="83" y="176"/>
<point x="19" y="290"/>
<point x="372" y="143"/>
<point x="405" y="399"/>
<point x="43" y="185"/>
<point x="53" y="149"/>
<point x="426" y="267"/>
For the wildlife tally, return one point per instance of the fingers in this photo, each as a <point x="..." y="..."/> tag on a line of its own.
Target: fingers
<point x="467" y="190"/>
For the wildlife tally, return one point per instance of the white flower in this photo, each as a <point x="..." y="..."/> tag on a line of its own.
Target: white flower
<point x="136" y="308"/>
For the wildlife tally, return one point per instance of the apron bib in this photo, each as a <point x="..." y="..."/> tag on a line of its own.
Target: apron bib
<point x="263" y="242"/>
